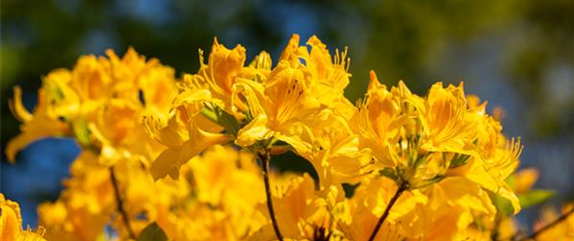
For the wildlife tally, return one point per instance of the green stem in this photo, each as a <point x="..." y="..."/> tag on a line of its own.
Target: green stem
<point x="265" y="159"/>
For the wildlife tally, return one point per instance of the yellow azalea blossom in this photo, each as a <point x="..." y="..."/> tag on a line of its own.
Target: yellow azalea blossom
<point x="11" y="223"/>
<point x="378" y="121"/>
<point x="34" y="127"/>
<point x="299" y="211"/>
<point x="219" y="181"/>
<point x="84" y="207"/>
<point x="396" y="167"/>
<point x="329" y="76"/>
<point x="186" y="133"/>
<point x="338" y="159"/>
<point x="498" y="157"/>
<point x="427" y="139"/>
<point x="282" y="105"/>
<point x="443" y="223"/>
<point x="358" y="216"/>
<point x="10" y="219"/>
<point x="221" y="72"/>
<point x="106" y="97"/>
<point x="448" y="213"/>
<point x="226" y="189"/>
<point x="302" y="86"/>
<point x="144" y="197"/>
<point x="443" y="120"/>
<point x="197" y="221"/>
<point x="259" y="68"/>
<point x="493" y="166"/>
<point x="464" y="196"/>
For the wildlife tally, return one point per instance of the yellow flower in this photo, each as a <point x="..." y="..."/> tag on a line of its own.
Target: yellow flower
<point x="336" y="155"/>
<point x="443" y="120"/>
<point x="492" y="171"/>
<point x="10" y="219"/>
<point x="43" y="123"/>
<point x="304" y="86"/>
<point x="11" y="223"/>
<point x="30" y="235"/>
<point x="222" y="71"/>
<point x="423" y="140"/>
<point x="220" y="182"/>
<point x="497" y="158"/>
<point x="279" y="108"/>
<point x="100" y="102"/>
<point x="449" y="212"/>
<point x="186" y="133"/>
<point x="329" y="75"/>
<point x="378" y="120"/>
<point x="84" y="207"/>
<point x="299" y="210"/>
<point x="226" y="189"/>
<point x="434" y="166"/>
<point x="358" y="216"/>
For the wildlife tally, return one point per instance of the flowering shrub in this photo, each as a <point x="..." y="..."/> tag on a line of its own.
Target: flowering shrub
<point x="189" y="159"/>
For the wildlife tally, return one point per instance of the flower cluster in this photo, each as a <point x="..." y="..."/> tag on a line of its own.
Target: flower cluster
<point x="189" y="158"/>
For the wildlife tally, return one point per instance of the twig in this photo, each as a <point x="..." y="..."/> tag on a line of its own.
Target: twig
<point x="548" y="226"/>
<point x="402" y="187"/>
<point x="496" y="231"/>
<point x="265" y="158"/>
<point x="120" y="203"/>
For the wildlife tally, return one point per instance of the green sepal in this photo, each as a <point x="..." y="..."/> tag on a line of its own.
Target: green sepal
<point x="82" y="132"/>
<point x="459" y="160"/>
<point x="152" y="232"/>
<point x="390" y="173"/>
<point x="503" y="206"/>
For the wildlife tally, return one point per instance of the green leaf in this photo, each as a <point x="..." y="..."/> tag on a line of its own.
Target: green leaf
<point x="534" y="197"/>
<point x="219" y="116"/>
<point x="152" y="232"/>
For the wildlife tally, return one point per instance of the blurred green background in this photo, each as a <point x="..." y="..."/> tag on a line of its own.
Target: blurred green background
<point x="516" y="54"/>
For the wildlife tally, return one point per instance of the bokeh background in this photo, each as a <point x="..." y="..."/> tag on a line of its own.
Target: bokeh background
<point x="516" y="54"/>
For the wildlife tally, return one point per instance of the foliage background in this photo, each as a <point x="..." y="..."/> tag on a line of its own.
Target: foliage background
<point x="516" y="54"/>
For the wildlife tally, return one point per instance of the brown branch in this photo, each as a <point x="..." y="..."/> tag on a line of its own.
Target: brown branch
<point x="402" y="187"/>
<point x="265" y="159"/>
<point x="548" y="226"/>
<point x="496" y="231"/>
<point x="120" y="203"/>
